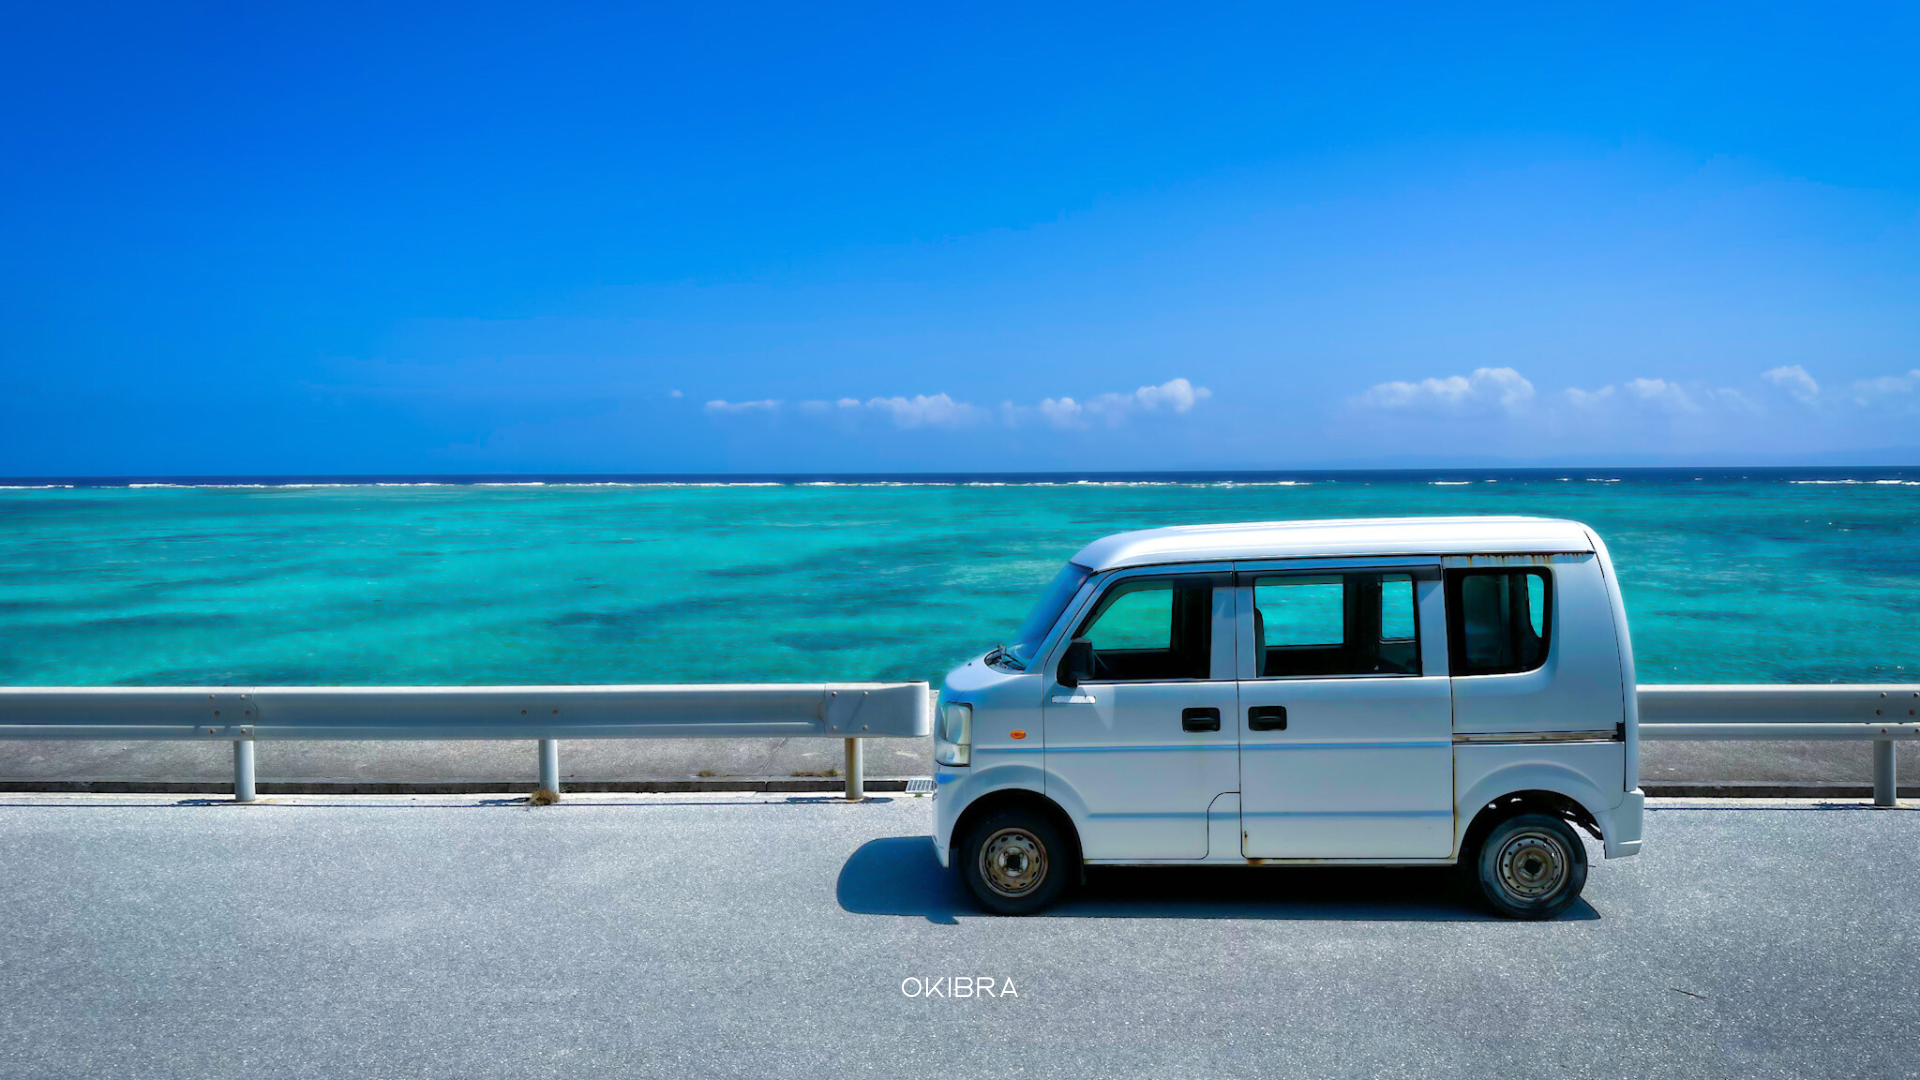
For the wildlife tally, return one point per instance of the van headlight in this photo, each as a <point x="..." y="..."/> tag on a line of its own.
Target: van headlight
<point x="953" y="736"/>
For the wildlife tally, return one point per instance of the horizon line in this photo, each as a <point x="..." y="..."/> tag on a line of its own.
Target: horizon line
<point x="737" y="477"/>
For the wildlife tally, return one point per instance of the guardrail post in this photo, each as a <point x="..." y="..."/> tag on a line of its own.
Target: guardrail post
<point x="1885" y="793"/>
<point x="856" y="771"/>
<point x="550" y="765"/>
<point x="243" y="770"/>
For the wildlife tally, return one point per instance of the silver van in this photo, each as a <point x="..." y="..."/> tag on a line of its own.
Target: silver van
<point x="1406" y="692"/>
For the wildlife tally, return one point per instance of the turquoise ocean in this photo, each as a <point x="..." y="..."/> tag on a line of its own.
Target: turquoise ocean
<point x="1730" y="575"/>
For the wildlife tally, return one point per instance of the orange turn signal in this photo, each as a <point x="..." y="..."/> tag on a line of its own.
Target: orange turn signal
<point x="1017" y="734"/>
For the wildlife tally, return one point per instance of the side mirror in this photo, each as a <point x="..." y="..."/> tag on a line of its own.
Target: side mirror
<point x="1077" y="666"/>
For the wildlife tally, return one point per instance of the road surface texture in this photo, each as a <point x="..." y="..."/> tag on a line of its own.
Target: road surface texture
<point x="379" y="763"/>
<point x="764" y="936"/>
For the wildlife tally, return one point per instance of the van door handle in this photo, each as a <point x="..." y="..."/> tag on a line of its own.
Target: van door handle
<point x="1267" y="718"/>
<point x="1199" y="719"/>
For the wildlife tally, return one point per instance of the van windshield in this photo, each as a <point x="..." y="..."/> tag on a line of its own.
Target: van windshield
<point x="1026" y="640"/>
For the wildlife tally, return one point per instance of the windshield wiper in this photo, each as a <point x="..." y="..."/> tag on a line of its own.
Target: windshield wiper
<point x="1005" y="656"/>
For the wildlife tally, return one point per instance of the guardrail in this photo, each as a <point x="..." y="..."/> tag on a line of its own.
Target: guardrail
<point x="1883" y="714"/>
<point x="547" y="714"/>
<point x="849" y="711"/>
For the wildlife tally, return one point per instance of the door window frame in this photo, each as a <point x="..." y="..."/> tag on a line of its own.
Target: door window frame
<point x="1429" y="620"/>
<point x="1222" y="663"/>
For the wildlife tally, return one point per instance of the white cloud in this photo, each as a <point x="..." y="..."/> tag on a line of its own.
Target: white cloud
<point x="1887" y="389"/>
<point x="1794" y="380"/>
<point x="1661" y="395"/>
<point x="1063" y="412"/>
<point x="1589" y="399"/>
<point x="1667" y="395"/>
<point x="920" y="410"/>
<point x="723" y="408"/>
<point x="1176" y="396"/>
<point x="1728" y="397"/>
<point x="1503" y="388"/>
<point x="1504" y="391"/>
<point x="826" y="408"/>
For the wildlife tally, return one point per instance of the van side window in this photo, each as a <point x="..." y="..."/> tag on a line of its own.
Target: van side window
<point x="1152" y="630"/>
<point x="1308" y="625"/>
<point x="1498" y="621"/>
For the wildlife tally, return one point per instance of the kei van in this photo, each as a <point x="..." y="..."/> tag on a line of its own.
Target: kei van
<point x="1403" y="692"/>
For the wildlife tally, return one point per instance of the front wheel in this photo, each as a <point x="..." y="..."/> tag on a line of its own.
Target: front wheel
<point x="1015" y="861"/>
<point x="1531" y="866"/>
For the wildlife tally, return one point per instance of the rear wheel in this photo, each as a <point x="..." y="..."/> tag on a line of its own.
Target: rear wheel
<point x="1015" y="861"/>
<point x="1530" y="866"/>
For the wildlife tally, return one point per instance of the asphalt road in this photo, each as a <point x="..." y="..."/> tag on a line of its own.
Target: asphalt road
<point x="762" y="936"/>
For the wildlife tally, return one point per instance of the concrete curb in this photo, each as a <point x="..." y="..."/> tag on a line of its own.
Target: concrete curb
<point x="1765" y="789"/>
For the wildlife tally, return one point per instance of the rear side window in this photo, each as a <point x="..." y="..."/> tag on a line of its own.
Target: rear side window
<point x="1320" y="625"/>
<point x="1498" y="621"/>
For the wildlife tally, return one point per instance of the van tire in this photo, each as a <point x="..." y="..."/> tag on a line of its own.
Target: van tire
<point x="1016" y="862"/>
<point x="1530" y="866"/>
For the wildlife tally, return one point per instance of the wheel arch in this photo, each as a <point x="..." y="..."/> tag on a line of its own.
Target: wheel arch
<point x="1024" y="799"/>
<point x="1554" y="790"/>
<point x="1552" y="803"/>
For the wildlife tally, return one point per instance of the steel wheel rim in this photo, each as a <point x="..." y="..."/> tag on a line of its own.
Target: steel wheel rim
<point x="1533" y="865"/>
<point x="1013" y="862"/>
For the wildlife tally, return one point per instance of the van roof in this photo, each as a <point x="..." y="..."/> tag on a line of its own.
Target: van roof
<point x="1353" y="536"/>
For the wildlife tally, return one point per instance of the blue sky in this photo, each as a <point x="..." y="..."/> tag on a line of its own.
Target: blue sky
<point x="740" y="238"/>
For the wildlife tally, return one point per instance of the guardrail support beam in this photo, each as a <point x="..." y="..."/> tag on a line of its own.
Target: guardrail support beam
<point x="243" y="770"/>
<point x="550" y="765"/>
<point x="1885" y="792"/>
<point x="856" y="771"/>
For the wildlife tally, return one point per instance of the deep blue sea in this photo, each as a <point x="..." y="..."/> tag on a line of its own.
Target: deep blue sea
<point x="1808" y="575"/>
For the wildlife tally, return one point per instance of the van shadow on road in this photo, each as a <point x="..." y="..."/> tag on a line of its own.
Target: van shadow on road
<point x="899" y="875"/>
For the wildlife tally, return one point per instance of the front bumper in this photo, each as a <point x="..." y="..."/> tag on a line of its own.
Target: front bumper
<point x="946" y="810"/>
